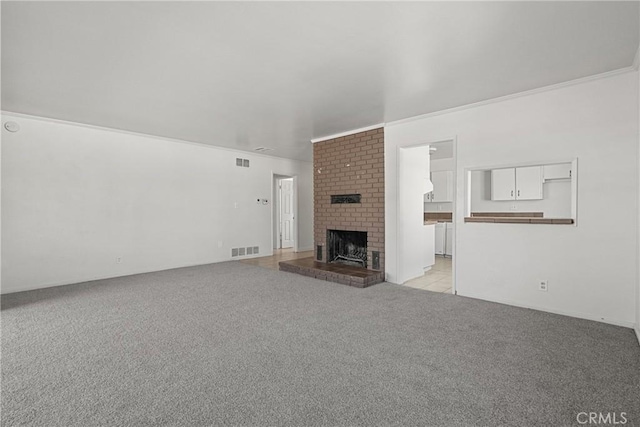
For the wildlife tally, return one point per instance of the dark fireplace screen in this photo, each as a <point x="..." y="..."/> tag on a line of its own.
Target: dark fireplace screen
<point x="347" y="247"/>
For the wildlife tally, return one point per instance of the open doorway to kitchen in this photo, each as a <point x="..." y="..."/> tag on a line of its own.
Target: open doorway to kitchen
<point x="439" y="215"/>
<point x="284" y="213"/>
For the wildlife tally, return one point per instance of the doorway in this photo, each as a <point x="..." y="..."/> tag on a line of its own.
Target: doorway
<point x="438" y="212"/>
<point x="284" y="212"/>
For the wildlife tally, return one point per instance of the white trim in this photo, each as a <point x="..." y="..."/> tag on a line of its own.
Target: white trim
<point x="305" y="249"/>
<point x="636" y="60"/>
<point x="115" y="276"/>
<point x="349" y="132"/>
<point x="637" y="329"/>
<point x="454" y="218"/>
<point x="143" y="135"/>
<point x="515" y="95"/>
<point x="578" y="315"/>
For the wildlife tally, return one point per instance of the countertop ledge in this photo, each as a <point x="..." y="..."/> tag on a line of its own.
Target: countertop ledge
<point x="519" y="220"/>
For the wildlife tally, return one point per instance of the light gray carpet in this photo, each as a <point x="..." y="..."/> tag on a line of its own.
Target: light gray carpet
<point x="234" y="344"/>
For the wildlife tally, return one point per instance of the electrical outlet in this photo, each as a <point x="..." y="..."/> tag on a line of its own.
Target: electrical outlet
<point x="514" y="207"/>
<point x="119" y="260"/>
<point x="543" y="285"/>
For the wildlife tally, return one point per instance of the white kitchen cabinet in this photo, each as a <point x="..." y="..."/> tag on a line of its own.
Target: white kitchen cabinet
<point x="448" y="243"/>
<point x="441" y="231"/>
<point x="560" y="171"/>
<point x="503" y="184"/>
<point x="429" y="249"/>
<point x="442" y="187"/>
<point x="523" y="183"/>
<point x="529" y="183"/>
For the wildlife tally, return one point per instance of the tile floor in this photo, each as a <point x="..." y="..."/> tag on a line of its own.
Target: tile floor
<point x="278" y="255"/>
<point x="438" y="279"/>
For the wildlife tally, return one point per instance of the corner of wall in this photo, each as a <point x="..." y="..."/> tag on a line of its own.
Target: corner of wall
<point x="637" y="328"/>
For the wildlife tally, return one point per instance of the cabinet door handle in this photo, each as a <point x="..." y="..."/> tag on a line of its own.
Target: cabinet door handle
<point x="511" y="193"/>
<point x="518" y="193"/>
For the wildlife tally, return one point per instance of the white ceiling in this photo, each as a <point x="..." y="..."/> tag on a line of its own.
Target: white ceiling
<point x="246" y="75"/>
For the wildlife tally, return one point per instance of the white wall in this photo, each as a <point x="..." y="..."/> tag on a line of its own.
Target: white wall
<point x="592" y="267"/>
<point x="74" y="198"/>
<point x="556" y="202"/>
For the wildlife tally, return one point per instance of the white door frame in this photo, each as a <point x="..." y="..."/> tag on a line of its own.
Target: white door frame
<point x="275" y="176"/>
<point x="454" y="216"/>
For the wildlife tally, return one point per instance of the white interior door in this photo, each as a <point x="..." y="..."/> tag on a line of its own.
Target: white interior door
<point x="286" y="213"/>
<point x="413" y="173"/>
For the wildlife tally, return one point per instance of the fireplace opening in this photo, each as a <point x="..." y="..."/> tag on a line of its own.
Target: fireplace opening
<point x="347" y="247"/>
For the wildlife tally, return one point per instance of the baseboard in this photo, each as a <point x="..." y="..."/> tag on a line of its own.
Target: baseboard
<point x="305" y="249"/>
<point x="578" y="315"/>
<point x="637" y="329"/>
<point x="96" y="278"/>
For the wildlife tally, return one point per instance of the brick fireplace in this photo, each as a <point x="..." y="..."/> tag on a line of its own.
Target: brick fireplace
<point x="348" y="188"/>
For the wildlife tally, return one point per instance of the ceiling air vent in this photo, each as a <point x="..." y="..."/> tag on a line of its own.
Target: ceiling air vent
<point x="262" y="149"/>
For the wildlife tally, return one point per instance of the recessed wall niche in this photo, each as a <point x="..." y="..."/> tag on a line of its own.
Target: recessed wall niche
<point x="542" y="193"/>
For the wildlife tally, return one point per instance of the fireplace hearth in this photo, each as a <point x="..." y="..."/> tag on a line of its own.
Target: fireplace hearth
<point x="347" y="247"/>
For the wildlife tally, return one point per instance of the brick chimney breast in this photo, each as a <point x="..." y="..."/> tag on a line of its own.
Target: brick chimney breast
<point x="350" y="166"/>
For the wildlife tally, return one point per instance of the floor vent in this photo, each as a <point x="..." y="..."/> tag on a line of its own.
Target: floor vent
<point x="249" y="250"/>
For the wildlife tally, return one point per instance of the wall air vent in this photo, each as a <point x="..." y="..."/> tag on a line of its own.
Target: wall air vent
<point x="345" y="198"/>
<point x="243" y="163"/>
<point x="249" y="250"/>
